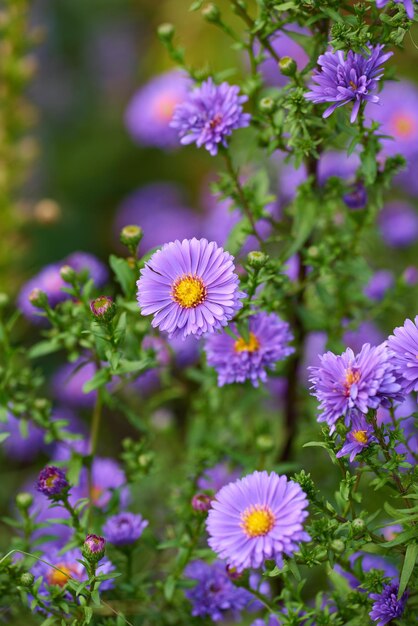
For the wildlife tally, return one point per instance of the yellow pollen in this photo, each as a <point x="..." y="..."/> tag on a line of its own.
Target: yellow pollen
<point x="360" y="436"/>
<point x="351" y="377"/>
<point x="189" y="291"/>
<point x="60" y="578"/>
<point x="257" y="521"/>
<point x="353" y="85"/>
<point x="404" y="125"/>
<point x="252" y="345"/>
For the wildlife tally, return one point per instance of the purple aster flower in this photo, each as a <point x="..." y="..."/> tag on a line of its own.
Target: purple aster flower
<point x="354" y="381"/>
<point x="214" y="478"/>
<point x="351" y="79"/>
<point x="50" y="282"/>
<point x="151" y="109"/>
<point x="214" y="594"/>
<point x="359" y="437"/>
<point x="398" y="223"/>
<point x="85" y="262"/>
<point x="366" y="332"/>
<point x="21" y="444"/>
<point x="237" y="359"/>
<point x="398" y="117"/>
<point x="209" y="114"/>
<point x="356" y="197"/>
<point x="408" y="4"/>
<point x="52" y="482"/>
<point x="386" y="605"/>
<point x="160" y="210"/>
<point x="107" y="478"/>
<point x="378" y="285"/>
<point x="41" y="513"/>
<point x="256" y="518"/>
<point x="404" y="346"/>
<point x="190" y="287"/>
<point x="124" y="528"/>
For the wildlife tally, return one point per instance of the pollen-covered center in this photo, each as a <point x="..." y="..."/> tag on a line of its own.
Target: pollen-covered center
<point x="51" y="480"/>
<point x="189" y="291"/>
<point x="360" y="436"/>
<point x="352" y="377"/>
<point x="252" y="345"/>
<point x="257" y="521"/>
<point x="404" y="125"/>
<point x="61" y="577"/>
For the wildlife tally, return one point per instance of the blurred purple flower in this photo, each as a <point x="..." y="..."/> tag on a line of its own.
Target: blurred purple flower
<point x="124" y="529"/>
<point x="408" y="5"/>
<point x="47" y="280"/>
<point x="404" y="345"/>
<point x="379" y="284"/>
<point x="85" y="262"/>
<point x="68" y="381"/>
<point x="356" y="197"/>
<point x="410" y="275"/>
<point x="284" y="46"/>
<point x="107" y="477"/>
<point x="17" y="446"/>
<point x="366" y="332"/>
<point x="214" y="478"/>
<point x="398" y="223"/>
<point x="368" y="562"/>
<point x="151" y="109"/>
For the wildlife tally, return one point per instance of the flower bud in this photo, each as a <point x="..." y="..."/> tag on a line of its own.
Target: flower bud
<point x="52" y="482"/>
<point x="38" y="298"/>
<point x="358" y="525"/>
<point x="288" y="66"/>
<point x="103" y="308"/>
<point x="24" y="500"/>
<point x="68" y="274"/>
<point x="201" y="502"/>
<point x="257" y="260"/>
<point x="166" y="32"/>
<point x="356" y="198"/>
<point x="4" y="300"/>
<point x="131" y="235"/>
<point x="27" y="579"/>
<point x="338" y="546"/>
<point x="233" y="573"/>
<point x="211" y="13"/>
<point x="267" y="105"/>
<point x="264" y="443"/>
<point x="93" y="548"/>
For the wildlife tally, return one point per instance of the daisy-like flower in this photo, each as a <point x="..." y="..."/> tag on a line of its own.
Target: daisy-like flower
<point x="190" y="287"/>
<point x="247" y="358"/>
<point x="359" y="437"/>
<point x="52" y="482"/>
<point x="354" y="381"/>
<point x="209" y="115"/>
<point x="256" y="518"/>
<point x="404" y="345"/>
<point x="124" y="528"/>
<point x="408" y="4"/>
<point x="351" y="79"/>
<point x="386" y="605"/>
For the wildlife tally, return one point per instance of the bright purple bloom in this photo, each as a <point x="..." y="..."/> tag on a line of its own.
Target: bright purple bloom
<point x="408" y="4"/>
<point x="256" y="518"/>
<point x="398" y="117"/>
<point x="378" y="285"/>
<point x="52" y="482"/>
<point x="354" y="381"/>
<point x="85" y="262"/>
<point x="209" y="114"/>
<point x="404" y="346"/>
<point x="247" y="358"/>
<point x="17" y="446"/>
<point x="386" y="605"/>
<point x="359" y="437"/>
<point x="351" y="79"/>
<point x="398" y="224"/>
<point x="190" y="287"/>
<point x="124" y="528"/>
<point x="50" y="282"/>
<point x="162" y="213"/>
<point x="216" y="477"/>
<point x="151" y="109"/>
<point x="214" y="594"/>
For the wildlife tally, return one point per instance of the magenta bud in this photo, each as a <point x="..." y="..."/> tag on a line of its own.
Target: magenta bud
<point x="93" y="548"/>
<point x="103" y="308"/>
<point x="201" y="502"/>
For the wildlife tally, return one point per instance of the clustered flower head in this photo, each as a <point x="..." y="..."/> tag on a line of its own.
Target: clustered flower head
<point x="408" y="4"/>
<point x="52" y="482"/>
<point x="349" y="381"/>
<point x="359" y="437"/>
<point x="386" y="605"/>
<point x="124" y="529"/>
<point x="352" y="79"/>
<point x="190" y="287"/>
<point x="209" y="115"/>
<point x="256" y="518"/>
<point x="237" y="359"/>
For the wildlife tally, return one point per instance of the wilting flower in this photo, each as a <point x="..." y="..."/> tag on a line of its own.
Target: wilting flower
<point x="386" y="605"/>
<point x="359" y="437"/>
<point x="151" y="109"/>
<point x="404" y="345"/>
<point x="52" y="482"/>
<point x="247" y="358"/>
<point x="354" y="381"/>
<point x="214" y="478"/>
<point x="256" y="518"/>
<point x="352" y="79"/>
<point x="214" y="594"/>
<point x="209" y="114"/>
<point x="378" y="285"/>
<point x="398" y="224"/>
<point x="408" y="4"/>
<point x="124" y="528"/>
<point x="190" y="287"/>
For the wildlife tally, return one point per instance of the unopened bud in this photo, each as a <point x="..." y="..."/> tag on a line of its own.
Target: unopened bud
<point x="24" y="500"/>
<point x="267" y="105"/>
<point x="233" y="573"/>
<point x="338" y="546"/>
<point x="68" y="274"/>
<point x="103" y="308"/>
<point x="166" y="32"/>
<point x="257" y="259"/>
<point x="201" y="502"/>
<point x="27" y="579"/>
<point x="93" y="548"/>
<point x="211" y="13"/>
<point x="131" y="235"/>
<point x="288" y="66"/>
<point x="264" y="443"/>
<point x="358" y="525"/>
<point x="38" y="298"/>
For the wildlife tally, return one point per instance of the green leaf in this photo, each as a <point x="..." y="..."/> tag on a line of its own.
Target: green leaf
<point x="408" y="566"/>
<point x="123" y="273"/>
<point x="99" y="380"/>
<point x="44" y="347"/>
<point x="4" y="436"/>
<point x="169" y="587"/>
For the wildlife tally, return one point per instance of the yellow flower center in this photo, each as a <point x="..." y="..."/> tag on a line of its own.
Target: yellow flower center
<point x="60" y="578"/>
<point x="351" y="377"/>
<point x="165" y="107"/>
<point x="257" y="521"/>
<point x="252" y="345"/>
<point x="189" y="291"/>
<point x="404" y="125"/>
<point x="95" y="494"/>
<point x="360" y="436"/>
